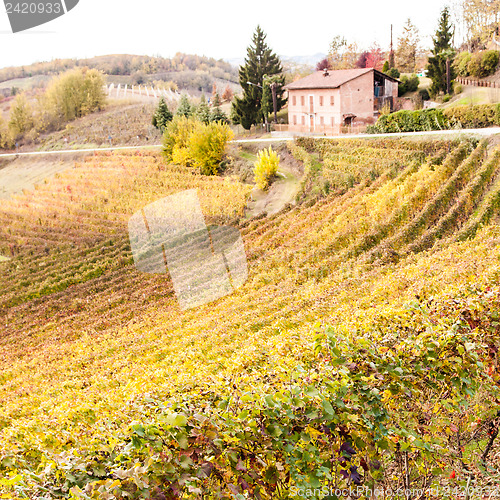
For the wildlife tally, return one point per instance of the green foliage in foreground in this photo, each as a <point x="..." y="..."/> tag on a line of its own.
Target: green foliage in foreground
<point x="357" y="404"/>
<point x="457" y="117"/>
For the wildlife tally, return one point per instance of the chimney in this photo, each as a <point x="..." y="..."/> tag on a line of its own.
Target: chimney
<point x="325" y="72"/>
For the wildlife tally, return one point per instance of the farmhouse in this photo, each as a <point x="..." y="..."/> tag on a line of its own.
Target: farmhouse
<point x="326" y="101"/>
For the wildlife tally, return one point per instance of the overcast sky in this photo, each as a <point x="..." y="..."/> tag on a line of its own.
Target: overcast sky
<point x="212" y="28"/>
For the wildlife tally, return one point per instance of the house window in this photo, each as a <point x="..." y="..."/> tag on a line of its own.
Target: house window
<point x="331" y="100"/>
<point x="295" y="119"/>
<point x="321" y="120"/>
<point x="302" y="100"/>
<point x="303" y="120"/>
<point x="321" y="100"/>
<point x="294" y="100"/>
<point x="333" y="120"/>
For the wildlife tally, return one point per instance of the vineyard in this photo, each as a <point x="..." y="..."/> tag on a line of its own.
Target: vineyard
<point x="361" y="353"/>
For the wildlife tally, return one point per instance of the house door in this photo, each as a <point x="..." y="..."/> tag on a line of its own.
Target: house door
<point x="311" y="123"/>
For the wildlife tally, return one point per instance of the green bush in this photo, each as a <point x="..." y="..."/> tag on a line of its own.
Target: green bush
<point x="489" y="62"/>
<point x="461" y="63"/>
<point x="266" y="167"/>
<point x="408" y="84"/>
<point x="483" y="64"/>
<point x="480" y="116"/>
<point x="424" y="94"/>
<point x="394" y="72"/>
<point x="446" y="98"/>
<point x="411" y="121"/>
<point x="484" y="115"/>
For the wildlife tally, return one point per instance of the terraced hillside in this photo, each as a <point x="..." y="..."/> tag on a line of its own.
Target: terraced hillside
<point x="361" y="352"/>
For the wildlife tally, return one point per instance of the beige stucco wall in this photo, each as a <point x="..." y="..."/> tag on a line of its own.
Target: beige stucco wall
<point x="355" y="97"/>
<point x="300" y="115"/>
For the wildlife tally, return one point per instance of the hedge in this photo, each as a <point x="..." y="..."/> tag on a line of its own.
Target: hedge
<point x="480" y="116"/>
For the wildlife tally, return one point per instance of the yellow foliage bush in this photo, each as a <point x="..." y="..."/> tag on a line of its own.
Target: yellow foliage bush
<point x="266" y="167"/>
<point x="189" y="142"/>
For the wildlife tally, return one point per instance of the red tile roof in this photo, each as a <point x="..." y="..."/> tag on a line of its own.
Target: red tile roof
<point x="333" y="80"/>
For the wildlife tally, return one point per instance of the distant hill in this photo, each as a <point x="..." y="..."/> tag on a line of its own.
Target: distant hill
<point x="308" y="60"/>
<point x="187" y="71"/>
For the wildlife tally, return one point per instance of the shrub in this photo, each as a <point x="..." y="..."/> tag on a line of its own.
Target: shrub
<point x="461" y="63"/>
<point x="489" y="62"/>
<point x="474" y="66"/>
<point x="394" y="72"/>
<point x="207" y="144"/>
<point x="266" y="167"/>
<point x="457" y="88"/>
<point x="480" y="116"/>
<point x="446" y="98"/>
<point x="484" y="115"/>
<point x="408" y="84"/>
<point x="5" y="138"/>
<point x="75" y="94"/>
<point x="424" y="94"/>
<point x="191" y="143"/>
<point x="21" y="117"/>
<point x="483" y="64"/>
<point x="411" y="121"/>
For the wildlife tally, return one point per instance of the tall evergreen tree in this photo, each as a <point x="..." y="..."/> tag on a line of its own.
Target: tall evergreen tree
<point x="162" y="115"/>
<point x="217" y="115"/>
<point x="260" y="61"/>
<point x="184" y="108"/>
<point x="442" y="51"/>
<point x="203" y="111"/>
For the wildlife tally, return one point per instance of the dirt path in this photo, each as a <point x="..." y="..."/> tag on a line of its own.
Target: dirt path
<point x="281" y="192"/>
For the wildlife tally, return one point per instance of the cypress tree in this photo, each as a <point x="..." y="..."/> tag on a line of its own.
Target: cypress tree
<point x="436" y="68"/>
<point x="260" y="61"/>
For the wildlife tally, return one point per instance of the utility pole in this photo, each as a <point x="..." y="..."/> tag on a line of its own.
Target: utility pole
<point x="275" y="101"/>
<point x="392" y="63"/>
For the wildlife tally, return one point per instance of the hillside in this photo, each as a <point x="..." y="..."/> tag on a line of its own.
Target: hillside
<point x="362" y="350"/>
<point x="187" y="71"/>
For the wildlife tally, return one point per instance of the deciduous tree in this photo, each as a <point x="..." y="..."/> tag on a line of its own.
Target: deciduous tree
<point x="406" y="54"/>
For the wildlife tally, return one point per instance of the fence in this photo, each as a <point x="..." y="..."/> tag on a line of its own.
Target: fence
<point x="141" y="92"/>
<point x="478" y="83"/>
<point x="356" y="128"/>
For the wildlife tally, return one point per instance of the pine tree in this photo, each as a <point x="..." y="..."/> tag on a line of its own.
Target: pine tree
<point x="184" y="108"/>
<point x="203" y="111"/>
<point x="260" y="61"/>
<point x="162" y="115"/>
<point x="217" y="115"/>
<point x="442" y="51"/>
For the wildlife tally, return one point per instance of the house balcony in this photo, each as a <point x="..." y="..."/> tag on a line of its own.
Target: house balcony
<point x="380" y="102"/>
